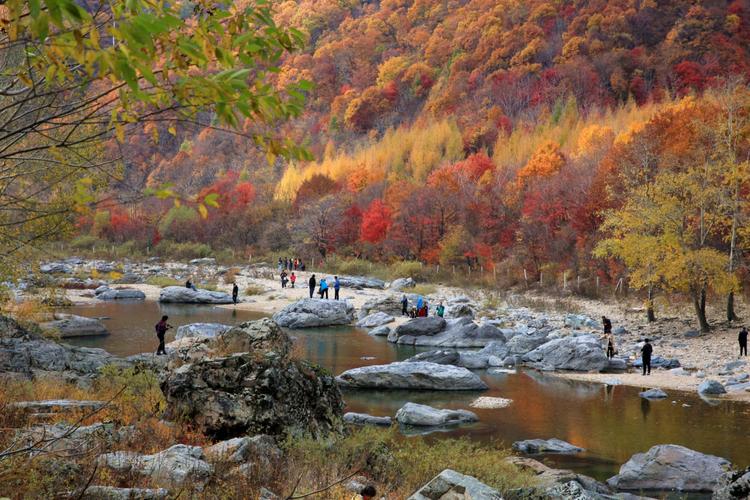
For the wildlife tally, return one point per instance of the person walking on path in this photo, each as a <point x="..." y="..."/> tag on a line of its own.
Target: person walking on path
<point x="607" y="325"/>
<point x="743" y="341"/>
<point x="235" y="292"/>
<point x="440" y="309"/>
<point x="292" y="279"/>
<point x="646" y="351"/>
<point x="323" y="288"/>
<point x="404" y="306"/>
<point x="283" y="279"/>
<point x="336" y="287"/>
<point x="312" y="283"/>
<point x="161" y="330"/>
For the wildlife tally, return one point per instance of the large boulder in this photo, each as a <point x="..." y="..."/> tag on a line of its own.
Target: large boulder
<point x="253" y="393"/>
<point x="453" y="485"/>
<point x="241" y="449"/>
<point x="437" y="332"/>
<point x="310" y="313"/>
<point x="401" y="283"/>
<point x="184" y="295"/>
<point x="460" y="308"/>
<point x="579" y="321"/>
<point x="670" y="467"/>
<point x="580" y="353"/>
<point x="414" y="376"/>
<point x="56" y="268"/>
<point x="119" y="294"/>
<point x="70" y="440"/>
<point x="172" y="467"/>
<point x="525" y="342"/>
<point x="427" y="416"/>
<point x="533" y="446"/>
<point x="70" y="325"/>
<point x="733" y="485"/>
<point x="561" y="484"/>
<point x="208" y="330"/>
<point x="375" y="319"/>
<point x="389" y="304"/>
<point x="359" y="282"/>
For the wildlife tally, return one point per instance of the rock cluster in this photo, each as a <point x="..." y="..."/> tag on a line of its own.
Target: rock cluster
<point x="310" y="313"/>
<point x="414" y="376"/>
<point x="184" y="295"/>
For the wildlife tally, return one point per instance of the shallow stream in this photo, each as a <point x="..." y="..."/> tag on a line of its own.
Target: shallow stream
<point x="612" y="423"/>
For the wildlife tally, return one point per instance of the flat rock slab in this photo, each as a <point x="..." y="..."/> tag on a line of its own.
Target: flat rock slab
<point x="184" y="295"/>
<point x="427" y="416"/>
<point x="119" y="294"/>
<point x="670" y="467"/>
<point x="171" y="467"/>
<point x="534" y="446"/>
<point x="207" y="330"/>
<point x="70" y="325"/>
<point x="96" y="492"/>
<point x="452" y="485"/>
<point x="59" y="405"/>
<point x="361" y="282"/>
<point x="416" y="376"/>
<point x="365" y="419"/>
<point x="311" y="313"/>
<point x="375" y="319"/>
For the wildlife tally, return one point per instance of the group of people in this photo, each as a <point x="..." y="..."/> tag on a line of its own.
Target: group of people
<point x="421" y="309"/>
<point x="323" y="287"/>
<point x="287" y="264"/>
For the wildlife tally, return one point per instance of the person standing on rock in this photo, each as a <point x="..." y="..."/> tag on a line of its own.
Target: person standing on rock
<point x="161" y="330"/>
<point x="607" y="325"/>
<point x="404" y="306"/>
<point x="646" y="351"/>
<point x="440" y="309"/>
<point x="235" y="292"/>
<point x="336" y="287"/>
<point x="283" y="279"/>
<point x="292" y="279"/>
<point x="323" y="288"/>
<point x="312" y="283"/>
<point x="743" y="341"/>
<point x="610" y="346"/>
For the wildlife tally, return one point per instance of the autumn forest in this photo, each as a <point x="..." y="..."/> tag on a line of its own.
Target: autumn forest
<point x="604" y="138"/>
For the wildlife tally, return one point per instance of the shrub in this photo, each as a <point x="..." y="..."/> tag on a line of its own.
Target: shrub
<point x="85" y="242"/>
<point x="162" y="281"/>
<point x="254" y="290"/>
<point x="423" y="289"/>
<point x="407" y="269"/>
<point x="182" y="251"/>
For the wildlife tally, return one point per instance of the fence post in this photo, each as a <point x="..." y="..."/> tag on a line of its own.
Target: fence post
<point x="525" y="277"/>
<point x="578" y="287"/>
<point x="597" y="283"/>
<point x="454" y="270"/>
<point x="437" y="269"/>
<point x="541" y="278"/>
<point x="565" y="280"/>
<point x="494" y="272"/>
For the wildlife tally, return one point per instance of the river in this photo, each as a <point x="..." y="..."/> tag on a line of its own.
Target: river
<point x="612" y="423"/>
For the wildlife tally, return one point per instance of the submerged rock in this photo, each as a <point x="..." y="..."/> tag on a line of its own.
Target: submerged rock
<point x="670" y="467"/>
<point x="427" y="416"/>
<point x="452" y="485"/>
<point x="416" y="376"/>
<point x="579" y="353"/>
<point x="532" y="446"/>
<point x="184" y="295"/>
<point x="70" y="325"/>
<point x="653" y="394"/>
<point x="308" y="313"/>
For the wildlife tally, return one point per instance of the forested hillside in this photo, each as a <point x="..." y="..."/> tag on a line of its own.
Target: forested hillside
<point x="494" y="130"/>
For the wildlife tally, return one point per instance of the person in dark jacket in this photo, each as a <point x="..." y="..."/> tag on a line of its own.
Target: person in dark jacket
<point x="312" y="284"/>
<point x="743" y="341"/>
<point x="646" y="351"/>
<point x="235" y="292"/>
<point x="336" y="287"/>
<point x="607" y="325"/>
<point x="161" y="330"/>
<point x="283" y="279"/>
<point x="404" y="306"/>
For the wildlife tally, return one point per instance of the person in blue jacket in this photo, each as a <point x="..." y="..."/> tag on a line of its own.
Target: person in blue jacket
<point x="323" y="290"/>
<point x="336" y="287"/>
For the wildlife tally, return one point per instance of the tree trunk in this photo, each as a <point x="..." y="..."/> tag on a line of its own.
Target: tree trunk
<point x="650" y="316"/>
<point x="731" y="316"/>
<point x="699" y="301"/>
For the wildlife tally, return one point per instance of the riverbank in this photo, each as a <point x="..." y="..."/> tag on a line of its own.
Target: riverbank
<point x="701" y="356"/>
